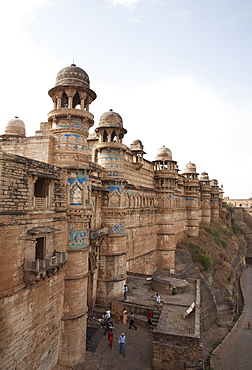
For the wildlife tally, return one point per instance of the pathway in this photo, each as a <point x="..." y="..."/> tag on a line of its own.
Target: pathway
<point x="235" y="352"/>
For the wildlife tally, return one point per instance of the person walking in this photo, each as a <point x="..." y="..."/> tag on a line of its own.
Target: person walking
<point x="149" y="316"/>
<point x="110" y="338"/>
<point x="125" y="316"/>
<point x="107" y="314"/>
<point x="158" y="300"/>
<point x="107" y="327"/>
<point x="132" y="319"/>
<point x="117" y="316"/>
<point x="122" y="342"/>
<point x="125" y="291"/>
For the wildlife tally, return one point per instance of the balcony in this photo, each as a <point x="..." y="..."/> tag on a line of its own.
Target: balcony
<point x="98" y="233"/>
<point x="40" y="269"/>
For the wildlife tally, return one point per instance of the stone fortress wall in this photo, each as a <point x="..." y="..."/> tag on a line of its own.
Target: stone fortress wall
<point x="78" y="210"/>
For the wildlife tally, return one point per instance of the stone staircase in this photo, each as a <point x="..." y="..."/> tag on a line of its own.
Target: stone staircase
<point x="140" y="311"/>
<point x="155" y="317"/>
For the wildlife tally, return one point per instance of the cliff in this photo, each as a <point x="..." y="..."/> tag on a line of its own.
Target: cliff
<point x="218" y="257"/>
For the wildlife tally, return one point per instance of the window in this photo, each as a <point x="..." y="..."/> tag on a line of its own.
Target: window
<point x="41" y="193"/>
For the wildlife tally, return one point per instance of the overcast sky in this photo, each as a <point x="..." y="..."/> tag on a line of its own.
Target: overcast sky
<point x="179" y="72"/>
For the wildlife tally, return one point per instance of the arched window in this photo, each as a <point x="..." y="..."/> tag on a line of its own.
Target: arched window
<point x="64" y="100"/>
<point x="105" y="137"/>
<point x="113" y="137"/>
<point x="76" y="100"/>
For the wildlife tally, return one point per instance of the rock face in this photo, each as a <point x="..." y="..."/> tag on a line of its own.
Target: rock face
<point x="226" y="243"/>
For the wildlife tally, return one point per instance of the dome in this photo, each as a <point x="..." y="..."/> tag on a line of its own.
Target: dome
<point x="214" y="182"/>
<point x="190" y="168"/>
<point x="136" y="145"/>
<point x="15" y="127"/>
<point x="204" y="176"/>
<point x="72" y="75"/>
<point x="163" y="154"/>
<point x="111" y="119"/>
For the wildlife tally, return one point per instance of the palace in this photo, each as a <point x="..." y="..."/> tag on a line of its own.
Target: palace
<point x="78" y="212"/>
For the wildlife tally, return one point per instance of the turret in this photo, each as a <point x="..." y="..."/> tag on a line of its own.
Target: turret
<point x="205" y="197"/>
<point x="69" y="124"/>
<point x="191" y="189"/>
<point x="166" y="180"/>
<point x="70" y="118"/>
<point x="109" y="153"/>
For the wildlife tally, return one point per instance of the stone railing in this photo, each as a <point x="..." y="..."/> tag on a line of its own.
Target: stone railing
<point x="39" y="269"/>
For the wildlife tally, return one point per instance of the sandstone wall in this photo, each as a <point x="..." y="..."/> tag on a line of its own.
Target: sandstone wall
<point x="39" y="148"/>
<point x="30" y="325"/>
<point x="174" y="352"/>
<point x="141" y="241"/>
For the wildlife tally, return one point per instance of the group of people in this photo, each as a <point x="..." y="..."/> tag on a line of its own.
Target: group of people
<point x="108" y="324"/>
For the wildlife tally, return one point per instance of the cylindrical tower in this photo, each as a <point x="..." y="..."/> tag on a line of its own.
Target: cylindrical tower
<point x="191" y="188"/>
<point x="166" y="181"/>
<point x="69" y="123"/>
<point x="110" y="155"/>
<point x="215" y="199"/>
<point x="204" y="198"/>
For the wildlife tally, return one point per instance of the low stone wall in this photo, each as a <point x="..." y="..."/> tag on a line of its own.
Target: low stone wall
<point x="176" y="352"/>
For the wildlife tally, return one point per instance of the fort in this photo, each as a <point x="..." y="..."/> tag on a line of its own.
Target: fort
<point x="80" y="213"/>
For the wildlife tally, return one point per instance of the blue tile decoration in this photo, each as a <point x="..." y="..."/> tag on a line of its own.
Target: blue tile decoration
<point x="112" y="188"/>
<point x="117" y="229"/>
<point x="76" y="190"/>
<point x="77" y="238"/>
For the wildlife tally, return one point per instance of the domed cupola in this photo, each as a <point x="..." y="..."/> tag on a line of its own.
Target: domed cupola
<point x="110" y="128"/>
<point x="72" y="90"/>
<point x="190" y="171"/>
<point x="190" y="168"/>
<point x="136" y="145"/>
<point x="72" y="75"/>
<point x="164" y="154"/>
<point x="204" y="176"/>
<point x="70" y="119"/>
<point x="15" y="127"/>
<point x="111" y="119"/>
<point x="166" y="170"/>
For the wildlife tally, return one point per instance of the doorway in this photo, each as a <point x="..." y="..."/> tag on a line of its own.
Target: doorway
<point x="40" y="249"/>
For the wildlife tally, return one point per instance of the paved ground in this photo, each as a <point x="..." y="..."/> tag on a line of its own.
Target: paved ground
<point x="235" y="352"/>
<point x="138" y="350"/>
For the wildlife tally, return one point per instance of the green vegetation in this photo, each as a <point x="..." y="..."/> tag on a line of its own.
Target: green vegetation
<point x="217" y="343"/>
<point x="215" y="231"/>
<point x="199" y="256"/>
<point x="236" y="228"/>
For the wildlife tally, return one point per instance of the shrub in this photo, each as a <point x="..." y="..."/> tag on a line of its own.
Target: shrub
<point x="199" y="256"/>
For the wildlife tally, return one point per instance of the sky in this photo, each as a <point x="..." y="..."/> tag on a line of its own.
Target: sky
<point x="177" y="71"/>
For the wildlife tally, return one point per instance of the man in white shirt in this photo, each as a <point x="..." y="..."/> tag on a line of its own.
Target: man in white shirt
<point x="158" y="301"/>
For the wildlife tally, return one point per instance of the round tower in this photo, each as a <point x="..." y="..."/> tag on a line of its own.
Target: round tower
<point x="215" y="199"/>
<point x="109" y="153"/>
<point x="69" y="124"/>
<point x="166" y="182"/>
<point x="109" y="149"/>
<point x="205" y="196"/>
<point x="191" y="189"/>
